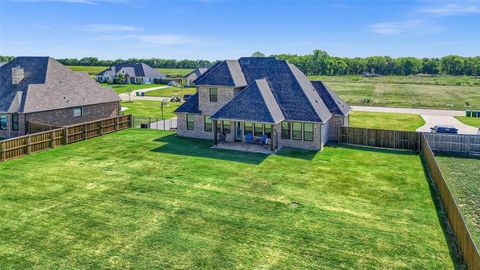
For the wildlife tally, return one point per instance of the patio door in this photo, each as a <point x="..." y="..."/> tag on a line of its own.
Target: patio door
<point x="238" y="132"/>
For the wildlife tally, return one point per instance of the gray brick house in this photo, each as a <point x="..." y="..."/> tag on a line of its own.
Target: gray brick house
<point x="40" y="89"/>
<point x="135" y="73"/>
<point x="262" y="97"/>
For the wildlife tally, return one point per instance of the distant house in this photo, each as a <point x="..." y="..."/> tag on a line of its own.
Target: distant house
<point x="40" y="89"/>
<point x="192" y="76"/>
<point x="262" y="99"/>
<point x="135" y="73"/>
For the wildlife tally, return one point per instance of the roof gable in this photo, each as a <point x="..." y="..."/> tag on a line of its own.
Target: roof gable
<point x="255" y="103"/>
<point x="190" y="106"/>
<point x="334" y="103"/>
<point x="225" y="73"/>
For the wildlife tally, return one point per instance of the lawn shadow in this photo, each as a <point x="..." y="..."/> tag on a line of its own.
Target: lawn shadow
<point x="443" y="220"/>
<point x="203" y="148"/>
<point x="374" y="149"/>
<point x="297" y="153"/>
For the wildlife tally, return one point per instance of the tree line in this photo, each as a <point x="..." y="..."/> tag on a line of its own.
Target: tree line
<point x="320" y="63"/>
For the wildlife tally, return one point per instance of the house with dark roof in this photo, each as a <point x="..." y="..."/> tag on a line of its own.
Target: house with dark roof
<point x="41" y="90"/>
<point x="192" y="76"/>
<point x="136" y="73"/>
<point x="263" y="100"/>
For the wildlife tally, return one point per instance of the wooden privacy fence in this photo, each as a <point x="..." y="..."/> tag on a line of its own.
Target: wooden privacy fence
<point x="34" y="127"/>
<point x="25" y="145"/>
<point x="467" y="247"/>
<point x="465" y="144"/>
<point x="394" y="139"/>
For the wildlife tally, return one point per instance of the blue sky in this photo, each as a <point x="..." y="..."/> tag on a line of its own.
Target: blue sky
<point x="221" y="29"/>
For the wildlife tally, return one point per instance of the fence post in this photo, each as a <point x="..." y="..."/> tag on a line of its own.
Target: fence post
<point x="366" y="137"/>
<point x="52" y="139"/>
<point x="65" y="134"/>
<point x="85" y="131"/>
<point x="130" y="120"/>
<point x="394" y="139"/>
<point x="100" y="128"/>
<point x="29" y="145"/>
<point x="2" y="148"/>
<point x="116" y="123"/>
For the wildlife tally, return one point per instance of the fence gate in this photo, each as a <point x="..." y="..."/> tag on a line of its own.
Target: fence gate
<point x="154" y="123"/>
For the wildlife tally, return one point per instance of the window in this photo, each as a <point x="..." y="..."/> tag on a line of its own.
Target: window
<point x="286" y="127"/>
<point x="207" y="123"/>
<point x="3" y="121"/>
<point x="213" y="94"/>
<point x="268" y="130"/>
<point x="297" y="131"/>
<point x="77" y="111"/>
<point x="226" y="127"/>
<point x="15" y="121"/>
<point x="190" y="121"/>
<point x="258" y="130"/>
<point x="247" y="128"/>
<point x="219" y="126"/>
<point x="308" y="132"/>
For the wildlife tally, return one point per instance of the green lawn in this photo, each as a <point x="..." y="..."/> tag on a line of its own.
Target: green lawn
<point x="149" y="200"/>
<point x="175" y="72"/>
<point x="408" y="95"/>
<point x="434" y="80"/>
<point x="92" y="70"/>
<point x="394" y="121"/>
<point x="471" y="121"/>
<point x="172" y="91"/>
<point x="150" y="108"/>
<point x="463" y="179"/>
<point x="124" y="88"/>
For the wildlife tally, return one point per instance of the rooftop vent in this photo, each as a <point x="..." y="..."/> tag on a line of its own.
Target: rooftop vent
<point x="17" y="75"/>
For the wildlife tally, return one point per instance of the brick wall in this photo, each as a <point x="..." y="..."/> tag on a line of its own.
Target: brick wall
<point x="313" y="145"/>
<point x="335" y="122"/>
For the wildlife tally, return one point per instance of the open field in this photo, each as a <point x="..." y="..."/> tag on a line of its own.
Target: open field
<point x="408" y="95"/>
<point x="434" y="80"/>
<point x="172" y="91"/>
<point x="123" y="88"/>
<point x="92" y="70"/>
<point x="463" y="179"/>
<point x="393" y="121"/>
<point x="148" y="199"/>
<point x="175" y="72"/>
<point x="471" y="121"/>
<point x="150" y="108"/>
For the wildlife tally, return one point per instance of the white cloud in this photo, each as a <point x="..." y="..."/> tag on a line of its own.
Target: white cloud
<point x="413" y="26"/>
<point x="108" y="28"/>
<point x="452" y="9"/>
<point x="156" y="40"/>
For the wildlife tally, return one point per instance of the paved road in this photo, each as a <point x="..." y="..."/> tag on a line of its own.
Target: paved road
<point x="133" y="96"/>
<point x="431" y="117"/>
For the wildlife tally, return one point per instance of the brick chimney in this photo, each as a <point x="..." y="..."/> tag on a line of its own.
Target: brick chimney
<point x="17" y="75"/>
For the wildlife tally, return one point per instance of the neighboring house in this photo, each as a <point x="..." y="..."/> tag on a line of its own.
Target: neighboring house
<point x="263" y="97"/>
<point x="192" y="76"/>
<point x="40" y="89"/>
<point x="136" y="73"/>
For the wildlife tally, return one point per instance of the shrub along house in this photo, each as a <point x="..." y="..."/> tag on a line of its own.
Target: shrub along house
<point x="250" y="99"/>
<point x="41" y="90"/>
<point x="135" y="73"/>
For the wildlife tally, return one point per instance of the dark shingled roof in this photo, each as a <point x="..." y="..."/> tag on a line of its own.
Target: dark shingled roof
<point x="335" y="104"/>
<point x="48" y="85"/>
<point x="255" y="103"/>
<point x="191" y="106"/>
<point x="196" y="73"/>
<point x="227" y="73"/>
<point x="133" y="70"/>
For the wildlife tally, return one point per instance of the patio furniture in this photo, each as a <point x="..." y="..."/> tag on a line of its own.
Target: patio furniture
<point x="249" y="138"/>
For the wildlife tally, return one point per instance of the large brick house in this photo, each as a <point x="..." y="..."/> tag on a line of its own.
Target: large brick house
<point x="40" y="89"/>
<point x="262" y="97"/>
<point x="135" y="73"/>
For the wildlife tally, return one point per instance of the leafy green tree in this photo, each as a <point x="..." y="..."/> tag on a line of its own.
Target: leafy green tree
<point x="258" y="54"/>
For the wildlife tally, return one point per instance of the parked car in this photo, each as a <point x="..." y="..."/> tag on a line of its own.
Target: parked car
<point x="186" y="97"/>
<point x="174" y="99"/>
<point x="444" y="129"/>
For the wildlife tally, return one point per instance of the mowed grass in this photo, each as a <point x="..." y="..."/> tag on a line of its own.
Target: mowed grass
<point x="125" y="88"/>
<point x="408" y="95"/>
<point x="175" y="72"/>
<point x="147" y="199"/>
<point x="429" y="80"/>
<point x="471" y="121"/>
<point x="150" y="108"/>
<point x="91" y="70"/>
<point x="172" y="91"/>
<point x="393" y="121"/>
<point x="463" y="178"/>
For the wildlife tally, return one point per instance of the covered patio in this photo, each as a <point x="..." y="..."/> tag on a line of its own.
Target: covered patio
<point x="246" y="147"/>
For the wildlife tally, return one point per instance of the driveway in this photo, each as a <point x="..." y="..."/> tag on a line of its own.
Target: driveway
<point x="431" y="117"/>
